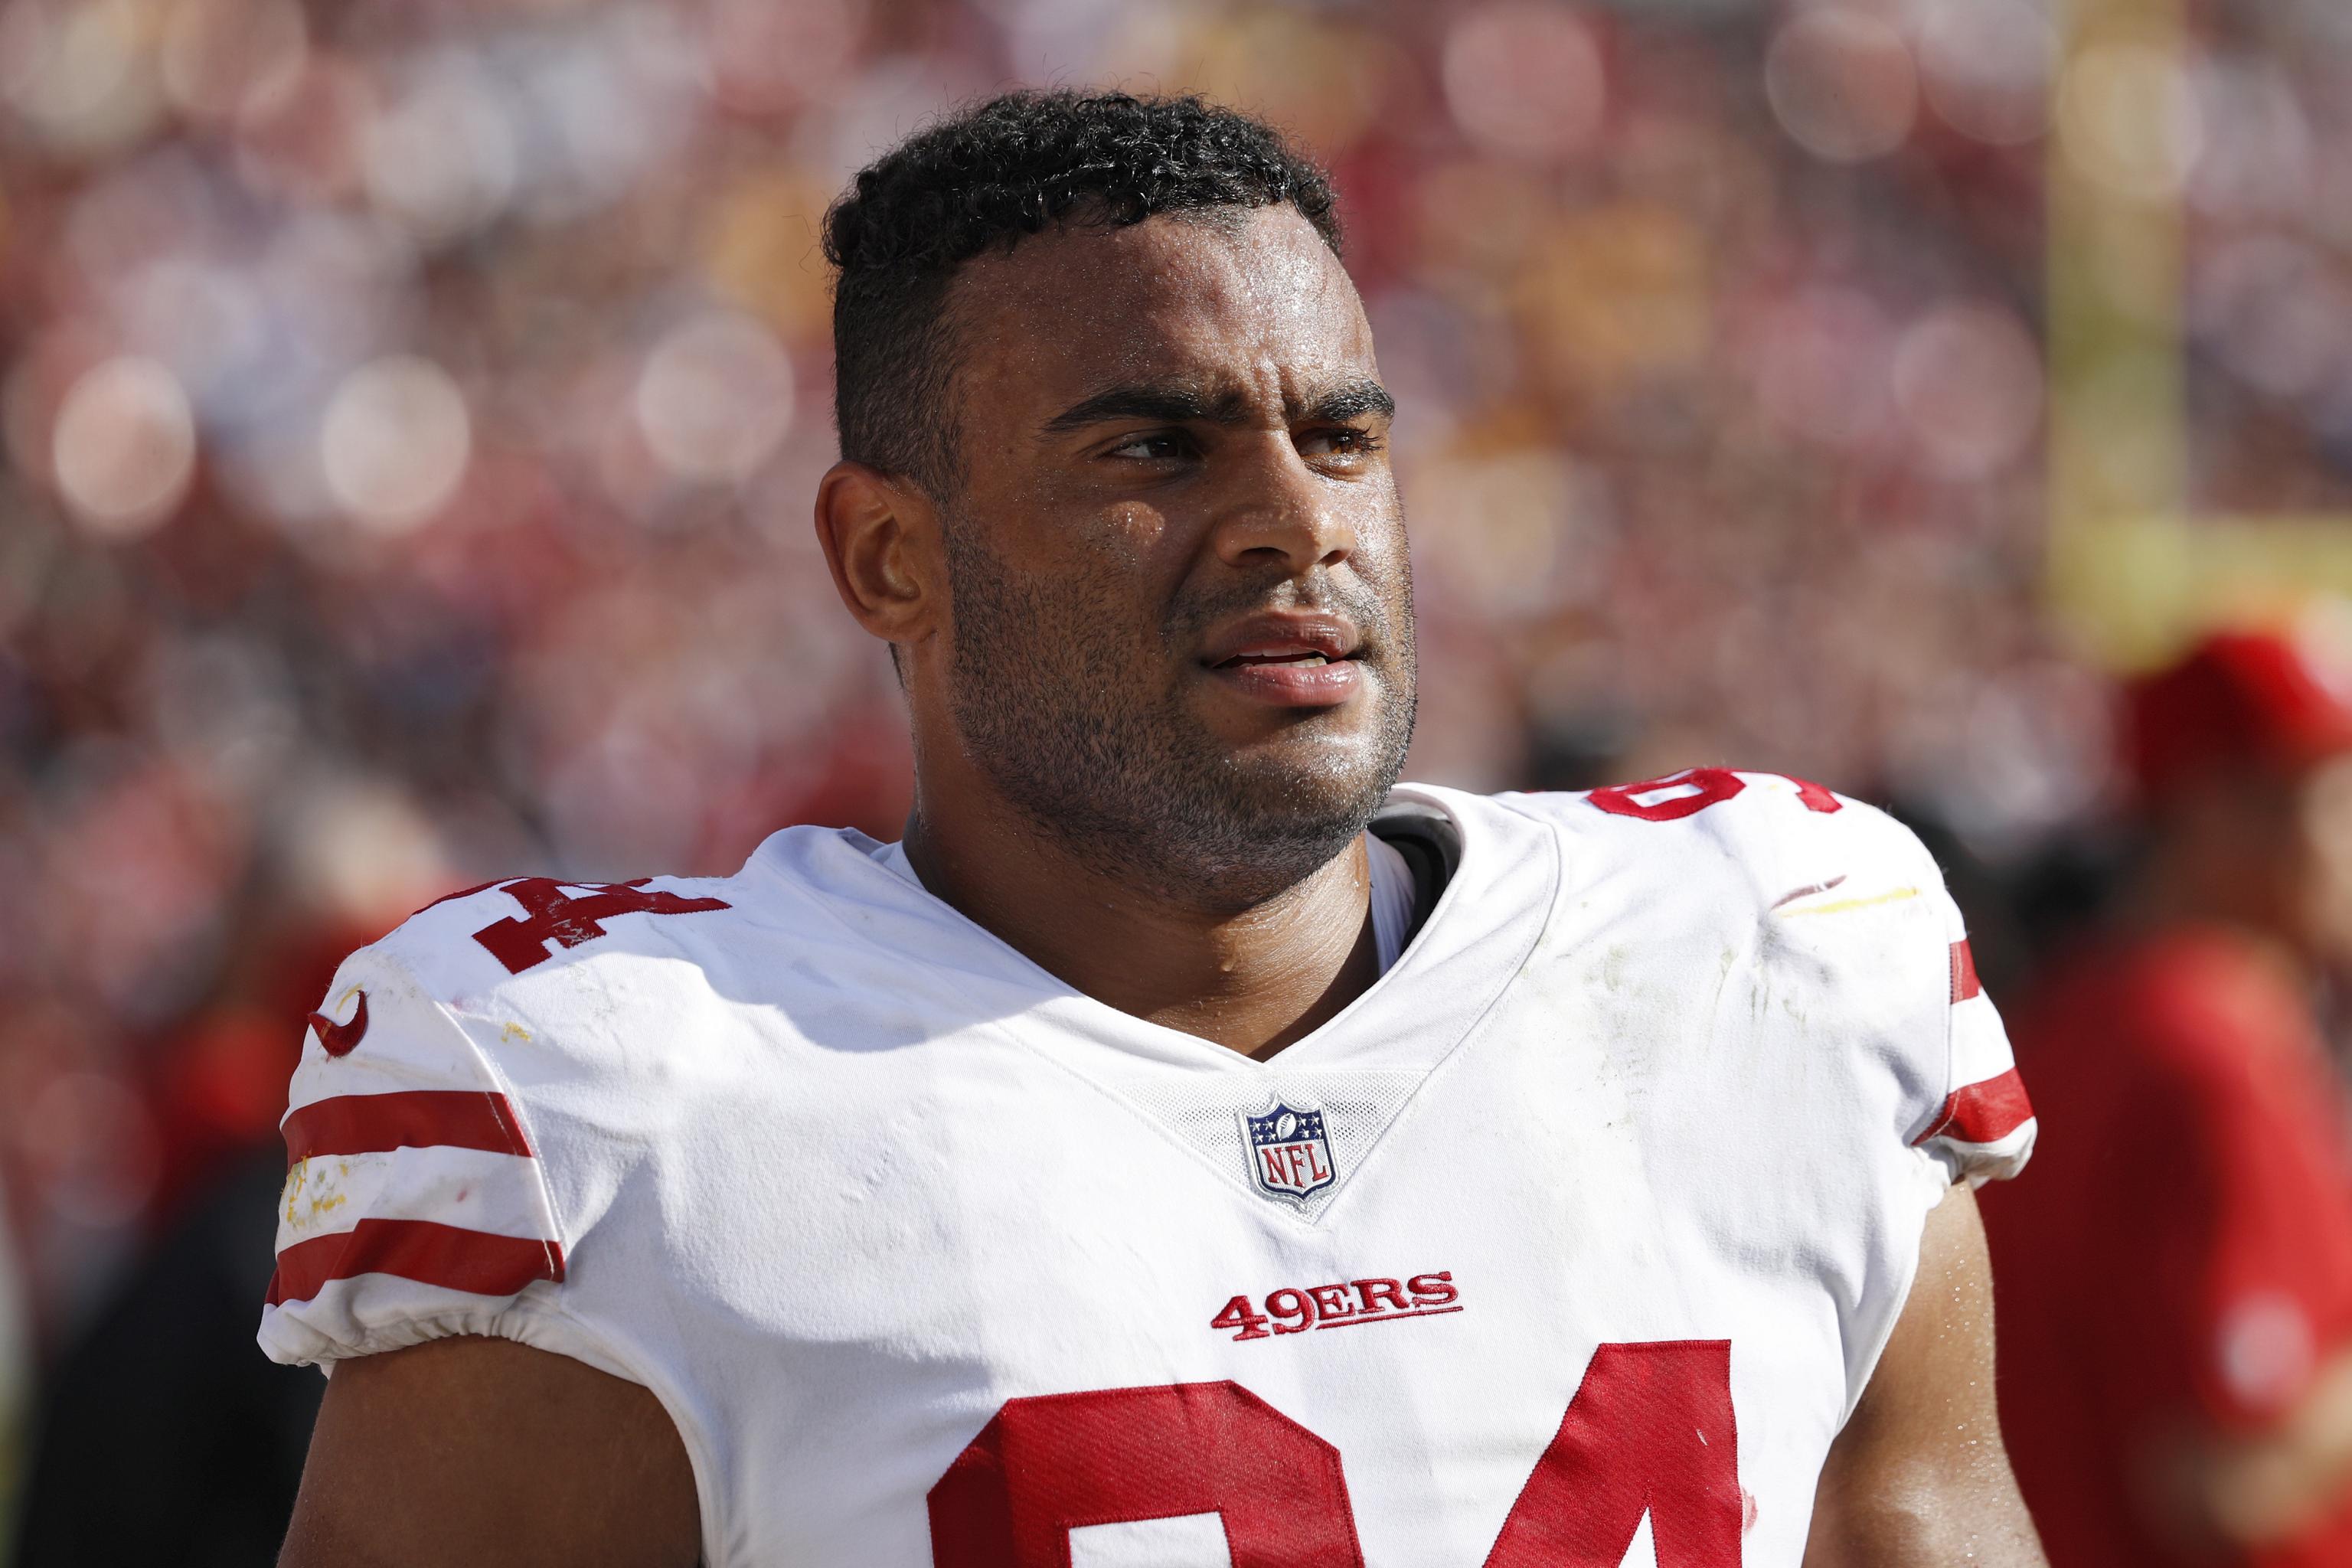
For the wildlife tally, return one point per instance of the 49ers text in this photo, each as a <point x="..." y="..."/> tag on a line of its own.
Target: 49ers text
<point x="1294" y="1310"/>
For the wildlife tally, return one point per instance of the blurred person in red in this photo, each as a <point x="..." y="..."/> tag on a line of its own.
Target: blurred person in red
<point x="2175" y="1307"/>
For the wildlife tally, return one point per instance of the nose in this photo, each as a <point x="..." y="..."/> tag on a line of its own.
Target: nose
<point x="1283" y="511"/>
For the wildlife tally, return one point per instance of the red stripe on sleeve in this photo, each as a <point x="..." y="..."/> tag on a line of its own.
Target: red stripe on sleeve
<point x="1965" y="982"/>
<point x="418" y="1249"/>
<point x="413" y="1118"/>
<point x="1984" y="1112"/>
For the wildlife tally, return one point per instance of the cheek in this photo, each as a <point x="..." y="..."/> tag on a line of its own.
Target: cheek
<point x="1384" y="555"/>
<point x="1129" y="564"/>
<point x="1139" y="539"/>
<point x="1067" y="544"/>
<point x="1101" y="583"/>
<point x="1054" y="523"/>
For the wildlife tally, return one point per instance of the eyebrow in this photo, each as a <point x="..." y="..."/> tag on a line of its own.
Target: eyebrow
<point x="1352" y="401"/>
<point x="1175" y="404"/>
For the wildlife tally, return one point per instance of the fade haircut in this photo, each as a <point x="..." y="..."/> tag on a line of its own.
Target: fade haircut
<point x="1016" y="165"/>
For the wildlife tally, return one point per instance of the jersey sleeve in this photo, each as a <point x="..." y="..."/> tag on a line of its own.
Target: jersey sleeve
<point x="416" y="1205"/>
<point x="1983" y="1127"/>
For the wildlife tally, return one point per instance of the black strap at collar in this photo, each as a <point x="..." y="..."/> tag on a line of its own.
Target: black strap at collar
<point x="1430" y="845"/>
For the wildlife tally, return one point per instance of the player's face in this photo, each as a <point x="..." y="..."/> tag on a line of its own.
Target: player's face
<point x="1182" y="615"/>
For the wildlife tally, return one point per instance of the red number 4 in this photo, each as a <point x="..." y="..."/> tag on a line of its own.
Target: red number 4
<point x="568" y="918"/>
<point x="1650" y="1431"/>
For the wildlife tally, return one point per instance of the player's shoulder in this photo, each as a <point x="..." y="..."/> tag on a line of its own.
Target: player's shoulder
<point x="1770" y="830"/>
<point x="476" y="1084"/>
<point x="525" y="935"/>
<point x="547" y="979"/>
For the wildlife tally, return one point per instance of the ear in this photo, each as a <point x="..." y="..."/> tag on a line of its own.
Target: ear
<point x="880" y="537"/>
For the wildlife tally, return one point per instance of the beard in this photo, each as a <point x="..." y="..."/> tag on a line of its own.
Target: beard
<point x="1129" y="782"/>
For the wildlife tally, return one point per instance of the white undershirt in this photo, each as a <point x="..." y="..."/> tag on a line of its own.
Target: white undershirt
<point x="1391" y="895"/>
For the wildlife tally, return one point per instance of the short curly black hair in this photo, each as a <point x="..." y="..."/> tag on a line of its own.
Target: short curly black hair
<point x="1014" y="166"/>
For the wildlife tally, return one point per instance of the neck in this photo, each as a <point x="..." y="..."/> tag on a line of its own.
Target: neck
<point x="1255" y="980"/>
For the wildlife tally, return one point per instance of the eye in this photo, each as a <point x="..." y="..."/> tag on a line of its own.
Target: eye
<point x="1153" y="446"/>
<point x="1345" y="442"/>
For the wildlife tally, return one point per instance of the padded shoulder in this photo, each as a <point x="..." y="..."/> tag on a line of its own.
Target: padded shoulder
<point x="1845" y="889"/>
<point x="1779" y="834"/>
<point x="471" y="943"/>
<point x="428" y="1108"/>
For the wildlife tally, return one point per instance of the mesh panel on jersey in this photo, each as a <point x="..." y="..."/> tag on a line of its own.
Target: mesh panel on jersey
<point x="1357" y="1106"/>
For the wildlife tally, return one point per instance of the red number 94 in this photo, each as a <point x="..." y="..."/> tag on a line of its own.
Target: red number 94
<point x="1650" y="1431"/>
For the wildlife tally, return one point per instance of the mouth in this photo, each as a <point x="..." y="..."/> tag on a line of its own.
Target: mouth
<point x="1288" y="660"/>
<point x="1303" y="655"/>
<point x="1284" y="637"/>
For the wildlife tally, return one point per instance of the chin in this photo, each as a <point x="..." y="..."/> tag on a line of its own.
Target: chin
<point x="1307" y="791"/>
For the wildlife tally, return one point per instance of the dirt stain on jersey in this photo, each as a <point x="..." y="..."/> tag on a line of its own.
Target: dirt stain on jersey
<point x="321" y="1198"/>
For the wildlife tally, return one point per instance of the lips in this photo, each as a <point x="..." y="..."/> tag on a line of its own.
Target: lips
<point x="1288" y="660"/>
<point x="1301" y="639"/>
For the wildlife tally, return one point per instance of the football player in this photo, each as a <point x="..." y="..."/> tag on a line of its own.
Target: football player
<point x="990" y="1198"/>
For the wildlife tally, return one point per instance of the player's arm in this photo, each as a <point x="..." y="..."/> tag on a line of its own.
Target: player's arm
<point x="482" y="1453"/>
<point x="1919" y="1476"/>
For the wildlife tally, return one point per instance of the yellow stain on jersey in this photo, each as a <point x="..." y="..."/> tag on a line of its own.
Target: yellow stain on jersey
<point x="1842" y="905"/>
<point x="322" y="1198"/>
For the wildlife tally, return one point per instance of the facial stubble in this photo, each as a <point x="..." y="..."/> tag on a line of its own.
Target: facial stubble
<point x="1123" y="778"/>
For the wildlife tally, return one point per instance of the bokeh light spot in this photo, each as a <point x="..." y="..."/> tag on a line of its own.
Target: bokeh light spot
<point x="394" y="442"/>
<point x="442" y="159"/>
<point x="1842" y="85"/>
<point x="1987" y="67"/>
<point x="1525" y="79"/>
<point x="218" y="55"/>
<point x="124" y="446"/>
<point x="80" y="74"/>
<point x="1968" y="380"/>
<point x="714" y="398"/>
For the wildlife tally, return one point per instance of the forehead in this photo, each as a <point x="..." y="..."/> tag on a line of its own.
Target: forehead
<point x="1247" y="301"/>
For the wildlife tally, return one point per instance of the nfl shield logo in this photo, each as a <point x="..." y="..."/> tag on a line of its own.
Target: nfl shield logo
<point x="1288" y="1155"/>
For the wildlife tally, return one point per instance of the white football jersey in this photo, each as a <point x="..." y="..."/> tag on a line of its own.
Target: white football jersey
<point x="935" y="1261"/>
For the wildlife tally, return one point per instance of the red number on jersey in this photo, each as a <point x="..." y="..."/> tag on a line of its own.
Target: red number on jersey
<point x="569" y="919"/>
<point x="1708" y="786"/>
<point x="1650" y="1431"/>
<point x="1048" y="1464"/>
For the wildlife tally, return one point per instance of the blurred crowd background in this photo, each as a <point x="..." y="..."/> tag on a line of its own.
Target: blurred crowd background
<point x="411" y="413"/>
